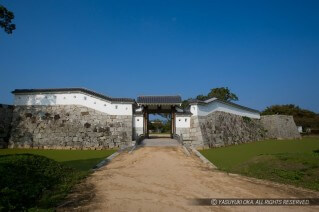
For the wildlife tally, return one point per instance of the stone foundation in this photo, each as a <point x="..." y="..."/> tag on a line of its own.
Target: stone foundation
<point x="195" y="131"/>
<point x="6" y="112"/>
<point x="79" y="127"/>
<point x="222" y="129"/>
<point x="280" y="127"/>
<point x="68" y="127"/>
<point x="137" y="131"/>
<point x="183" y="132"/>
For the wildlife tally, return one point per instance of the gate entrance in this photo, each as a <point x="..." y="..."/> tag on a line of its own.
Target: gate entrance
<point x="157" y="105"/>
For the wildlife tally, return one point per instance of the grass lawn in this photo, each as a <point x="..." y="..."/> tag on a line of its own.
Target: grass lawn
<point x="82" y="160"/>
<point x="286" y="161"/>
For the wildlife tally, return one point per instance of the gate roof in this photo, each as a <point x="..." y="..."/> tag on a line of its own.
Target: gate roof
<point x="159" y="100"/>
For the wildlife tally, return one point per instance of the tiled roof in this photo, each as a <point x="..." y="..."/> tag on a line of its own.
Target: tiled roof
<point x="196" y="101"/>
<point x="6" y="106"/>
<point x="184" y="113"/>
<point x="159" y="100"/>
<point x="83" y="90"/>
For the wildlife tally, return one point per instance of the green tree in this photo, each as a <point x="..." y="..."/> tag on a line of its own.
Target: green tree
<point x="156" y="125"/>
<point x="6" y="17"/>
<point x="167" y="127"/>
<point x="185" y="104"/>
<point x="302" y="117"/>
<point x="202" y="97"/>
<point x="222" y="93"/>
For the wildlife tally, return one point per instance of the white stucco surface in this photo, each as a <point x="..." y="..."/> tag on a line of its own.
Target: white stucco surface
<point x="205" y="109"/>
<point x="112" y="108"/>
<point x="138" y="121"/>
<point x="183" y="121"/>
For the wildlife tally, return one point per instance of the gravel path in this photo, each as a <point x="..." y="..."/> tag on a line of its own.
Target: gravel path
<point x="165" y="179"/>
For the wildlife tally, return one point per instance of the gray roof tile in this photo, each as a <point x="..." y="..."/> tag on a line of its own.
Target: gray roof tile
<point x="159" y="100"/>
<point x="196" y="101"/>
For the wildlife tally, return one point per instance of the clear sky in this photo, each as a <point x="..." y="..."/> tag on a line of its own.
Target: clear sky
<point x="267" y="52"/>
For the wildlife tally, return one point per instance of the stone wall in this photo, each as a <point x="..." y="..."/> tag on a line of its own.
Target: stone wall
<point x="137" y="131"/>
<point x="5" y="124"/>
<point x="79" y="127"/>
<point x="183" y="132"/>
<point x="280" y="127"/>
<point x="195" y="131"/>
<point x="68" y="127"/>
<point x="222" y="129"/>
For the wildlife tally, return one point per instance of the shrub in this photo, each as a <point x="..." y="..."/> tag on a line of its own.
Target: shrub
<point x="246" y="119"/>
<point x="26" y="178"/>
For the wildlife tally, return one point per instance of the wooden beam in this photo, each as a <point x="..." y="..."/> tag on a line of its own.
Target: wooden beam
<point x="159" y="111"/>
<point x="145" y="121"/>
<point x="147" y="127"/>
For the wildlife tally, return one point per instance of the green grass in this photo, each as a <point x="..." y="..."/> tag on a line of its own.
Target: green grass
<point x="286" y="161"/>
<point x="26" y="171"/>
<point x="82" y="160"/>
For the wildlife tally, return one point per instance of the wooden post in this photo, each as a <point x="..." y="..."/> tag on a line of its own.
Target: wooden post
<point x="173" y="130"/>
<point x="147" y="127"/>
<point x="145" y="122"/>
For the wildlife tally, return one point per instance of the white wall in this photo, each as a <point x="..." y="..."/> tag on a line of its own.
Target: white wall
<point x="204" y="110"/>
<point x="183" y="121"/>
<point x="138" y="121"/>
<point x="75" y="99"/>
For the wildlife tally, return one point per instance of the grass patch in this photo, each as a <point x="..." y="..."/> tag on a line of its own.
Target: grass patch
<point x="40" y="179"/>
<point x="293" y="162"/>
<point x="300" y="169"/>
<point x="79" y="159"/>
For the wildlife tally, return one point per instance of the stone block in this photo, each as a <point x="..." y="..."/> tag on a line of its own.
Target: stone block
<point x="72" y="129"/>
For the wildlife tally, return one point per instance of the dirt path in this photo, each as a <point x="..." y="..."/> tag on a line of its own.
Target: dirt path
<point x="165" y="179"/>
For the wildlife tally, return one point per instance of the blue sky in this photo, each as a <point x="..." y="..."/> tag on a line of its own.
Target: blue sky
<point x="267" y="52"/>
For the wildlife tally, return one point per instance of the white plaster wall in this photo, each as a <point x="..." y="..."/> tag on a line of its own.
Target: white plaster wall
<point x="183" y="121"/>
<point x="194" y="110"/>
<point x="299" y="129"/>
<point x="137" y="125"/>
<point x="204" y="110"/>
<point x="74" y="99"/>
<point x="138" y="121"/>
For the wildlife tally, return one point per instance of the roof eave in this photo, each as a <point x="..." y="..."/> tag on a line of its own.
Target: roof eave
<point x="224" y="102"/>
<point x="238" y="106"/>
<point x="74" y="90"/>
<point x="139" y="103"/>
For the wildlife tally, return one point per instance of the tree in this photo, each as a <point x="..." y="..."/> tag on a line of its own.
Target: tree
<point x="156" y="125"/>
<point x="6" y="17"/>
<point x="161" y="126"/>
<point x="302" y="117"/>
<point x="185" y="104"/>
<point x="202" y="97"/>
<point x="222" y="93"/>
